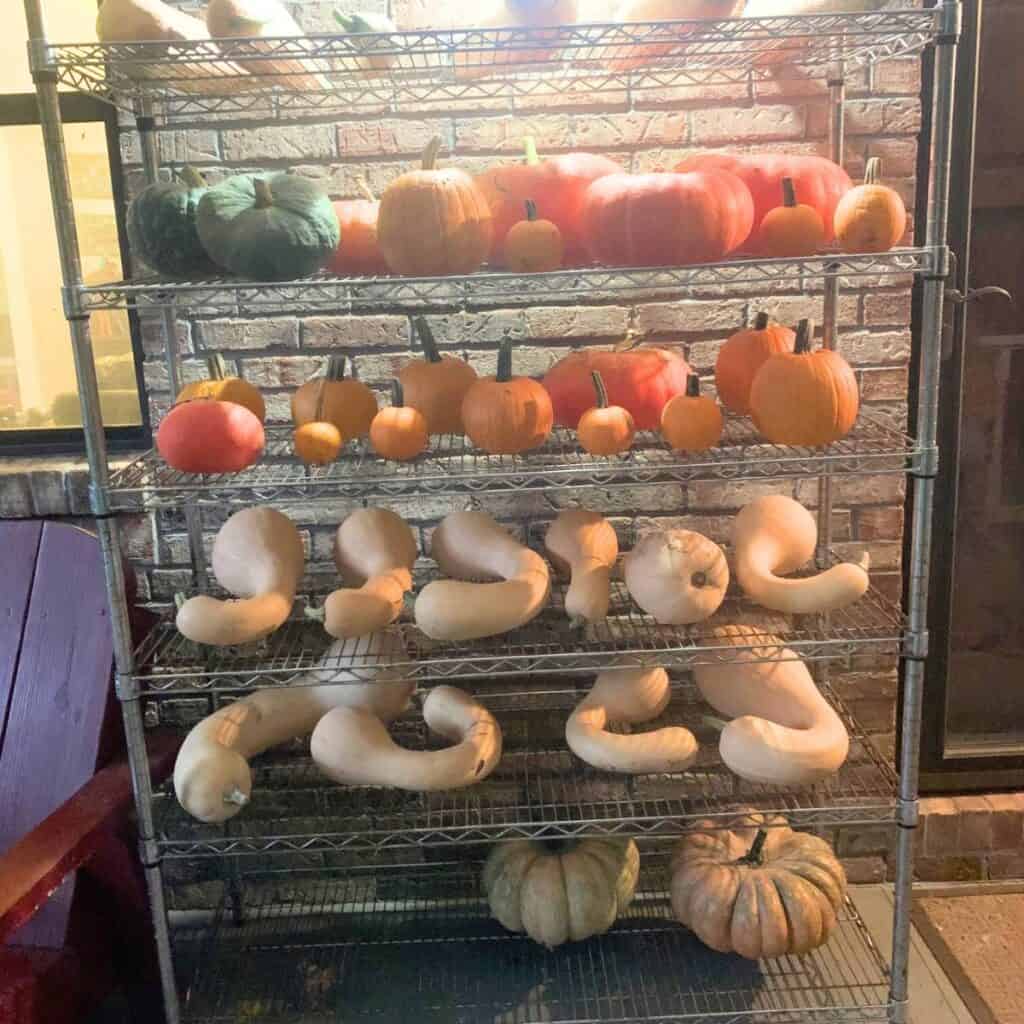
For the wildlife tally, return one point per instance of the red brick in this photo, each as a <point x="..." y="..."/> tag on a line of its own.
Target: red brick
<point x="898" y="75"/>
<point x="717" y="126"/>
<point x="862" y="870"/>
<point x="941" y="826"/>
<point x="899" y="156"/>
<point x="886" y="308"/>
<point x="386" y="136"/>
<point x="975" y="823"/>
<point x="505" y="134"/>
<point x="637" y="128"/>
<point x="1006" y="864"/>
<point x="949" y="869"/>
<point x="1007" y="820"/>
<point x="891" y="384"/>
<point x="878" y="523"/>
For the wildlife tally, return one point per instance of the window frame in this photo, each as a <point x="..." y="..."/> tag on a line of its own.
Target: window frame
<point x="20" y="109"/>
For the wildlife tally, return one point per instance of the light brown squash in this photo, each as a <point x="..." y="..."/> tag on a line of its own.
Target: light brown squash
<point x="584" y="546"/>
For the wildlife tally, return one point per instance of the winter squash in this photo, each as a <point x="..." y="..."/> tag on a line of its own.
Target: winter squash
<point x="207" y="436"/>
<point x="783" y="732"/>
<point x="358" y="253"/>
<point x="667" y="10"/>
<point x="224" y="388"/>
<point x="676" y="576"/>
<point x="269" y="227"/>
<point x="533" y="246"/>
<point x="317" y="443"/>
<point x="398" y="431"/>
<point x="605" y="429"/>
<point x="691" y="422"/>
<point x="434" y="222"/>
<point x="258" y="557"/>
<point x="818" y="182"/>
<point x="162" y="226"/>
<point x="352" y="746"/>
<point x="557" y="185"/>
<point x="631" y="696"/>
<point x="562" y="890"/>
<point x="791" y="229"/>
<point x="436" y="384"/>
<point x="344" y="401"/>
<point x="804" y="397"/>
<point x="373" y="24"/>
<point x="212" y="778"/>
<point x="503" y="414"/>
<point x="666" y="220"/>
<point x="583" y="545"/>
<point x="774" y="535"/>
<point x="870" y="217"/>
<point x="758" y="888"/>
<point x="472" y="546"/>
<point x="741" y="357"/>
<point x="374" y="550"/>
<point x="640" y="379"/>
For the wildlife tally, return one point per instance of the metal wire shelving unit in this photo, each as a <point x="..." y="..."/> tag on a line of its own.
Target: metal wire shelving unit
<point x="309" y="920"/>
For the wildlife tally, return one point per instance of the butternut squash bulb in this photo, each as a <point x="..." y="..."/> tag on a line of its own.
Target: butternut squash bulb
<point x="584" y="546"/>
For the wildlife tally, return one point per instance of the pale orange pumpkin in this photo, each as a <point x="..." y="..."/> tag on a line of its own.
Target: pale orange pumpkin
<point x="805" y="397"/>
<point x="533" y="246"/>
<point x="741" y="357"/>
<point x="692" y="422"/>
<point x="605" y="429"/>
<point x="436" y="384"/>
<point x="317" y="443"/>
<point x="224" y="388"/>
<point x="347" y="403"/>
<point x="398" y="431"/>
<point x="792" y="229"/>
<point x="870" y="217"/>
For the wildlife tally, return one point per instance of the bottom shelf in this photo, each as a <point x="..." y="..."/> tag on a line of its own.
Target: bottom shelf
<point x="421" y="947"/>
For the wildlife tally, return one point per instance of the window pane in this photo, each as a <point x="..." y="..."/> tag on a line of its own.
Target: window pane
<point x="37" y="377"/>
<point x="67" y="21"/>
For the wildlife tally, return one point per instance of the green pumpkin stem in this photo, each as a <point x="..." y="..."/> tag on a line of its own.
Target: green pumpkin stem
<point x="504" y="372"/>
<point x="335" y="368"/>
<point x="264" y="197"/>
<point x="530" y="148"/>
<point x="427" y="341"/>
<point x="600" y="389"/>
<point x="761" y="321"/>
<point x="431" y="152"/>
<point x="788" y="192"/>
<point x="718" y="724"/>
<point x="216" y="367"/>
<point x="191" y="177"/>
<point x="692" y="385"/>
<point x="397" y="393"/>
<point x="531" y="210"/>
<point x="365" y="191"/>
<point x="873" y="171"/>
<point x="804" y="336"/>
<point x="754" y="856"/>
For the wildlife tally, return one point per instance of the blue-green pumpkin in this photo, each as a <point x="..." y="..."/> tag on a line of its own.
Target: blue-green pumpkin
<point x="268" y="227"/>
<point x="162" y="227"/>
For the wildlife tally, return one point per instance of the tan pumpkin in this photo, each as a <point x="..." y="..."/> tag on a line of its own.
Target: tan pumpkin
<point x="870" y="217"/>
<point x="791" y="229"/>
<point x="758" y="889"/>
<point x="434" y="222"/>
<point x="742" y="356"/>
<point x="533" y="246"/>
<point x="224" y="389"/>
<point x="692" y="422"/>
<point x="436" y="384"/>
<point x="346" y="402"/>
<point x="605" y="429"/>
<point x="398" y="431"/>
<point x="561" y="891"/>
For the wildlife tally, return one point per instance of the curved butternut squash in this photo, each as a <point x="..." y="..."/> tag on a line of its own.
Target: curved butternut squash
<point x="775" y="535"/>
<point x="374" y="550"/>
<point x="630" y="695"/>
<point x="258" y="557"/>
<point x="584" y="545"/>
<point x="472" y="545"/>
<point x="212" y="779"/>
<point x="783" y="731"/>
<point x="353" y="746"/>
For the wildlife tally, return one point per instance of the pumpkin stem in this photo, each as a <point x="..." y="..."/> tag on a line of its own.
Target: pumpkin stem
<point x="692" y="385"/>
<point x="365" y="191"/>
<point x="264" y="197"/>
<point x="754" y="854"/>
<point x="788" y="192"/>
<point x="397" y="393"/>
<point x="504" y="372"/>
<point x="600" y="389"/>
<point x="336" y="368"/>
<point x="873" y="171"/>
<point x="318" y="415"/>
<point x="430" y="153"/>
<point x="530" y="148"/>
<point x="718" y="724"/>
<point x="531" y="210"/>
<point x="216" y="367"/>
<point x="761" y="321"/>
<point x="191" y="177"/>
<point x="804" y="334"/>
<point x="427" y="341"/>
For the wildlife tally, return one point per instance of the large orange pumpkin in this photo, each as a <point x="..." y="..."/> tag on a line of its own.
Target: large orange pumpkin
<point x="436" y="384"/>
<point x="358" y="251"/>
<point x="818" y="182"/>
<point x="666" y="220"/>
<point x="434" y="222"/>
<point x="741" y="357"/>
<point x="870" y="217"/>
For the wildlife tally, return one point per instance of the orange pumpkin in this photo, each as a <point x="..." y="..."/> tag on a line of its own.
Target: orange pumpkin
<point x="347" y="403"/>
<point x="804" y="397"/>
<point x="692" y="422"/>
<point x="436" y="384"/>
<point x="358" y="251"/>
<point x="434" y="222"/>
<point x="317" y="442"/>
<point x="870" y="217"/>
<point x="224" y="389"/>
<point x="533" y="246"/>
<point x="503" y="414"/>
<point x="605" y="429"/>
<point x="792" y="229"/>
<point x="398" y="431"/>
<point x="741" y="357"/>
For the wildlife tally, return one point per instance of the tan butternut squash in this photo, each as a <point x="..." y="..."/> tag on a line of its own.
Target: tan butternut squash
<point x="353" y="746"/>
<point x="258" y="557"/>
<point x="782" y="730"/>
<point x="584" y="545"/>
<point x="212" y="778"/>
<point x="775" y="535"/>
<point x="471" y="545"/>
<point x="630" y="695"/>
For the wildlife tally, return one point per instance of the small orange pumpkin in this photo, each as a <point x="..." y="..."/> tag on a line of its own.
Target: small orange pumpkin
<point x="503" y="414"/>
<point x="741" y="357"/>
<point x="791" y="229"/>
<point x="398" y="431"/>
<point x="605" y="429"/>
<point x="870" y="217"/>
<point x="533" y="246"/>
<point x="436" y="384"/>
<point x="347" y="403"/>
<point x="224" y="388"/>
<point x="692" y="422"/>
<point x="805" y="397"/>
<point x="318" y="442"/>
<point x="358" y="251"/>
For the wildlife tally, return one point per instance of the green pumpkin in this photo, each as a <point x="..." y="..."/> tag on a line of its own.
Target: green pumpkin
<point x="162" y="227"/>
<point x="268" y="227"/>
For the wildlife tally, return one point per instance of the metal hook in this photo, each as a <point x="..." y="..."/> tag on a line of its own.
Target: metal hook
<point x="959" y="297"/>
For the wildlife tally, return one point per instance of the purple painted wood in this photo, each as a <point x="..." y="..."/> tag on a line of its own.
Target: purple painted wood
<point x="60" y="698"/>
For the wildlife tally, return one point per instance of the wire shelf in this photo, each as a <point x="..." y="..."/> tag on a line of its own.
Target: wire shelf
<point x="538" y="790"/>
<point x="362" y="946"/>
<point x="303" y="77"/>
<point x="237" y="297"/>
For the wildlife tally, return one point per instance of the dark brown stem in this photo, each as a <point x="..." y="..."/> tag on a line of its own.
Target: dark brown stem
<point x="873" y="171"/>
<point x="264" y="197"/>
<point x="692" y="385"/>
<point x="760" y="321"/>
<point x="531" y="210"/>
<point x="430" y="153"/>
<point x="191" y="177"/>
<point x="397" y="393"/>
<point x="427" y="340"/>
<point x="699" y="579"/>
<point x="216" y="367"/>
<point x="321" y="392"/>
<point x="754" y="855"/>
<point x="504" y="361"/>
<point x="804" y="335"/>
<point x="336" y="368"/>
<point x="788" y="192"/>
<point x="599" y="389"/>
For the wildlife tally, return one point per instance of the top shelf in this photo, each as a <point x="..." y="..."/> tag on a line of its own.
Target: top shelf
<point x="292" y="78"/>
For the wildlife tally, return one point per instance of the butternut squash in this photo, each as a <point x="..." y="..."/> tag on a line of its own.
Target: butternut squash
<point x="471" y="545"/>
<point x="352" y="746"/>
<point x="212" y="778"/>
<point x="775" y="535"/>
<point x="374" y="550"/>
<point x="782" y="730"/>
<point x="584" y="545"/>
<point x="630" y="695"/>
<point x="258" y="557"/>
